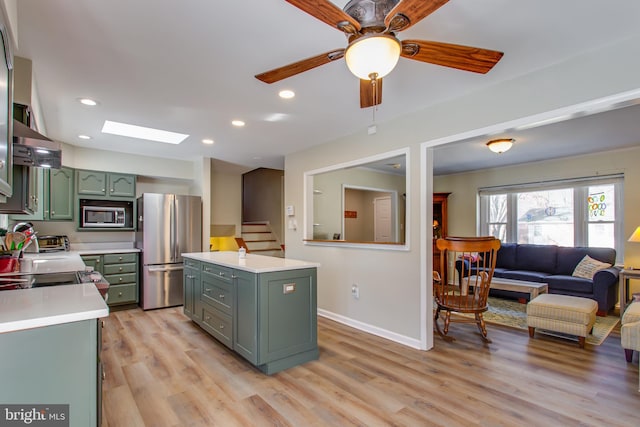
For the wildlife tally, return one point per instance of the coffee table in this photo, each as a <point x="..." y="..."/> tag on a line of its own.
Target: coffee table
<point x="532" y="288"/>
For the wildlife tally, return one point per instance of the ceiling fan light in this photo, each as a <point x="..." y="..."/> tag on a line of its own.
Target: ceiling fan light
<point x="500" y="145"/>
<point x="377" y="54"/>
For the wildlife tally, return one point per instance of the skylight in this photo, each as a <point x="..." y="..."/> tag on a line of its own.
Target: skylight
<point x="140" y="132"/>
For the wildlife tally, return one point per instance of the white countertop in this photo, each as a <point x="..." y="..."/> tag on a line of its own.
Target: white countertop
<point x="56" y="262"/>
<point x="50" y="305"/>
<point x="103" y="248"/>
<point x="252" y="263"/>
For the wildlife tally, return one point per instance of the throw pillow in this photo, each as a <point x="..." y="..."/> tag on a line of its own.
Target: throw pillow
<point x="588" y="267"/>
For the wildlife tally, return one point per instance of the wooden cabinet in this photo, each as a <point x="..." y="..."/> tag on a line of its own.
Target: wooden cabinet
<point x="106" y="185"/>
<point x="440" y="228"/>
<point x="57" y="364"/>
<point x="121" y="271"/>
<point x="268" y="318"/>
<point x="55" y="195"/>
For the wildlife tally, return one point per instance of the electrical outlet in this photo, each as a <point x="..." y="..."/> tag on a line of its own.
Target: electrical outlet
<point x="355" y="291"/>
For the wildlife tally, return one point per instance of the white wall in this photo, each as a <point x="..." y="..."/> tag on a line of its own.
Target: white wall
<point x="394" y="289"/>
<point x="226" y="194"/>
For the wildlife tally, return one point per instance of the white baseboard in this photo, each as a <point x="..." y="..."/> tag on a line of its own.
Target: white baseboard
<point x="374" y="330"/>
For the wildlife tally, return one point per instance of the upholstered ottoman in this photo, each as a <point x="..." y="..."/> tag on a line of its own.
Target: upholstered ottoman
<point x="562" y="313"/>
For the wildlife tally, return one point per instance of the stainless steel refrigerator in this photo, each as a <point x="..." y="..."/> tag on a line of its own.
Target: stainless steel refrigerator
<point x="168" y="225"/>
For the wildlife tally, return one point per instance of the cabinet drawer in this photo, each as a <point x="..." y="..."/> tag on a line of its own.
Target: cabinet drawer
<point x="218" y="324"/>
<point x="119" y="268"/>
<point x="218" y="293"/>
<point x="120" y="258"/>
<point x="116" y="279"/>
<point x="219" y="272"/>
<point x="121" y="294"/>
<point x="191" y="263"/>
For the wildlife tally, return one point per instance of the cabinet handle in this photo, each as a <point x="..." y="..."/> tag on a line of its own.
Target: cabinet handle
<point x="103" y="190"/>
<point x="112" y="190"/>
<point x="207" y="317"/>
<point x="119" y="294"/>
<point x="207" y="290"/>
<point x="120" y="269"/>
<point x="221" y="327"/>
<point x="97" y="261"/>
<point x="120" y="279"/>
<point x="53" y="212"/>
<point x="221" y="274"/>
<point x="1" y="164"/>
<point x="104" y="375"/>
<point x="207" y="269"/>
<point x="233" y="276"/>
<point x="221" y="296"/>
<point x="119" y="258"/>
<point x="102" y="324"/>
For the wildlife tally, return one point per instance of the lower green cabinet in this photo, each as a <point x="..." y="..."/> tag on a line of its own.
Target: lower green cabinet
<point x="121" y="271"/>
<point x="268" y="318"/>
<point x="57" y="364"/>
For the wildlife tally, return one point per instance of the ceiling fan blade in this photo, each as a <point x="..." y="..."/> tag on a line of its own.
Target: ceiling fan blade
<point x="370" y="93"/>
<point x="414" y="10"/>
<point x="327" y="12"/>
<point x="282" y="73"/>
<point x="465" y="58"/>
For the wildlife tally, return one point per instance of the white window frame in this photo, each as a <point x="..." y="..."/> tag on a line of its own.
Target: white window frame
<point x="580" y="220"/>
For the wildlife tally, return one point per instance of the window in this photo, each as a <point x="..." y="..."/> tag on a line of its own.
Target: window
<point x="585" y="212"/>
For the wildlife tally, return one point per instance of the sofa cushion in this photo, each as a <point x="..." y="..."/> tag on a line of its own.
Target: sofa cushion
<point x="569" y="258"/>
<point x="588" y="267"/>
<point x="528" y="276"/>
<point x="506" y="256"/>
<point x="570" y="284"/>
<point x="540" y="258"/>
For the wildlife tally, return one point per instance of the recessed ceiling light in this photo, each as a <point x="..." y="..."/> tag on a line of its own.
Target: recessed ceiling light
<point x="237" y="123"/>
<point x="84" y="137"/>
<point x="207" y="141"/>
<point x="140" y="132"/>
<point x="287" y="94"/>
<point x="88" y="101"/>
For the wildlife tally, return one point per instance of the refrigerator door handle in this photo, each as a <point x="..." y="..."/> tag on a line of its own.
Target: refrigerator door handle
<point x="163" y="269"/>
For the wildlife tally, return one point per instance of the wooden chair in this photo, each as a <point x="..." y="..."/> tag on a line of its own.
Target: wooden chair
<point x="476" y="258"/>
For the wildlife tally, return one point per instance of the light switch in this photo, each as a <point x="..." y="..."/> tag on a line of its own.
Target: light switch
<point x="290" y="210"/>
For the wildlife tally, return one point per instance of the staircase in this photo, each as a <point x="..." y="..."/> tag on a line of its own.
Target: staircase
<point x="260" y="240"/>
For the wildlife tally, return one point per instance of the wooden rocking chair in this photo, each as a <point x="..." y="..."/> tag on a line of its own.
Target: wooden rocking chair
<point x="475" y="261"/>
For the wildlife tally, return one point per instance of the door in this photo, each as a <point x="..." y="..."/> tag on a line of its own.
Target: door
<point x="61" y="195"/>
<point x="155" y="228"/>
<point x="162" y="286"/>
<point x="92" y="183"/>
<point x="382" y="220"/>
<point x="121" y="185"/>
<point x="188" y="225"/>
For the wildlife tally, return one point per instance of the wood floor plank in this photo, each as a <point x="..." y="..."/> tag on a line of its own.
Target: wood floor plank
<point x="162" y="369"/>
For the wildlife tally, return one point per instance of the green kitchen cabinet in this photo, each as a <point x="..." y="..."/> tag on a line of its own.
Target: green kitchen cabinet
<point x="269" y="318"/>
<point x="105" y="185"/>
<point x="121" y="271"/>
<point x="59" y="196"/>
<point x="58" y="364"/>
<point x="55" y="196"/>
<point x="192" y="306"/>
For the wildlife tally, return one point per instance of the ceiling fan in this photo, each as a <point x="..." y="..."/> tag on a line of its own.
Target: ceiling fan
<point x="371" y="27"/>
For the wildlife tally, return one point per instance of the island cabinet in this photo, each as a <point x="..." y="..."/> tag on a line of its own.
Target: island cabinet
<point x="263" y="308"/>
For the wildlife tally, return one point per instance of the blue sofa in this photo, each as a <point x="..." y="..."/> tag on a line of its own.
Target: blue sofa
<point x="554" y="265"/>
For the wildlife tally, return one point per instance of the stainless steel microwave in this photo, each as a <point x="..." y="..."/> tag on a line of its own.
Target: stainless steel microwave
<point x="103" y="216"/>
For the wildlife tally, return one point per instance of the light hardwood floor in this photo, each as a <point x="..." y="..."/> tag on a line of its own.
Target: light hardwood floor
<point x="163" y="370"/>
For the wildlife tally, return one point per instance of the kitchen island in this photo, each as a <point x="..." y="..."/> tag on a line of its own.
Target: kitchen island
<point x="264" y="308"/>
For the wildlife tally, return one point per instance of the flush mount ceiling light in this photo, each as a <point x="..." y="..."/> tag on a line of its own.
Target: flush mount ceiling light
<point x="207" y="141"/>
<point x="286" y="94"/>
<point x="84" y="137"/>
<point x="373" y="57"/>
<point x="237" y="123"/>
<point x="140" y="132"/>
<point x="88" y="101"/>
<point x="500" y="145"/>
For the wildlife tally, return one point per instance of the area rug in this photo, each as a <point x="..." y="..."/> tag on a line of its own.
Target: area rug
<point x="511" y="313"/>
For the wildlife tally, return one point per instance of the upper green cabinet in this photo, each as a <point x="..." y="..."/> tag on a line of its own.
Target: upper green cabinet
<point x="60" y="194"/>
<point x="54" y="200"/>
<point x="104" y="184"/>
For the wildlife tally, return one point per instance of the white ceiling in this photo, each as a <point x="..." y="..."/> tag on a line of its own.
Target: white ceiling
<point x="188" y="67"/>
